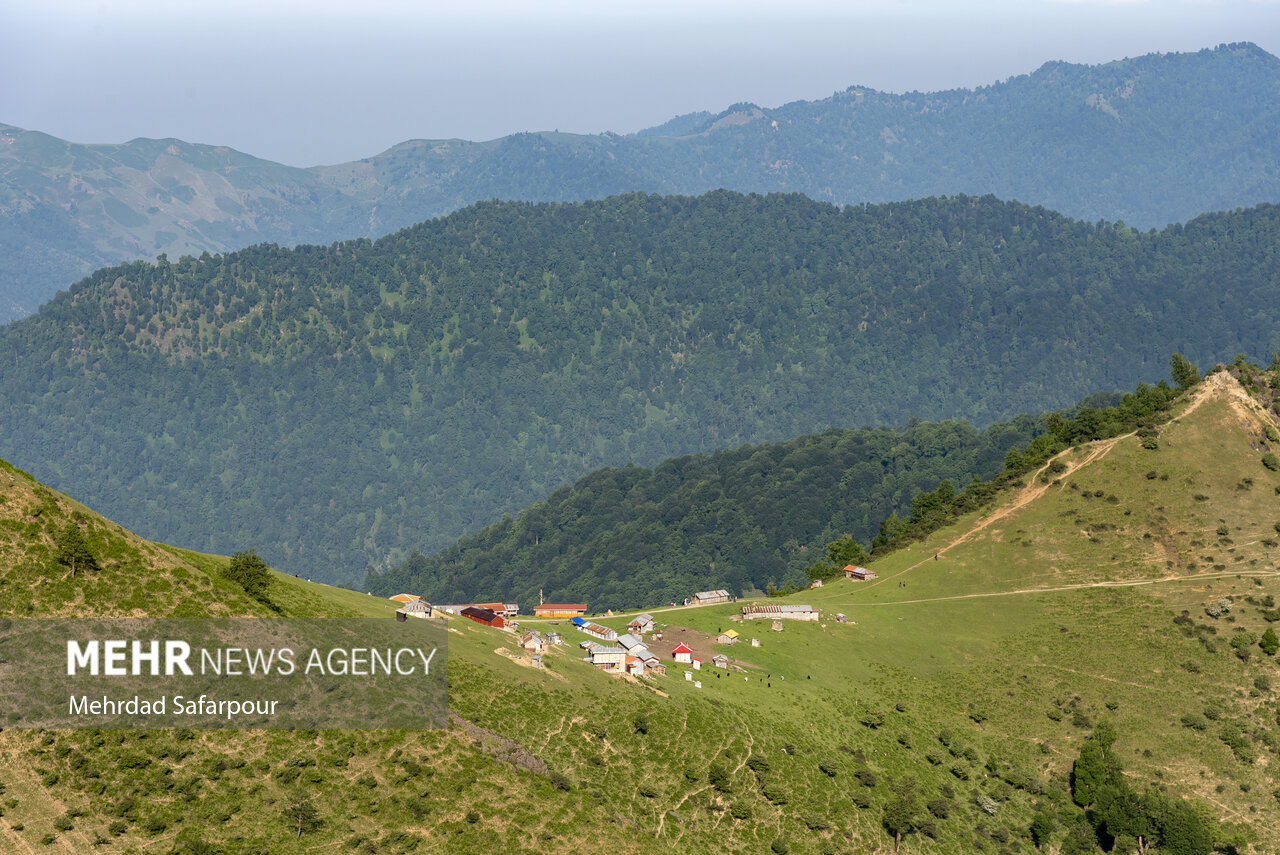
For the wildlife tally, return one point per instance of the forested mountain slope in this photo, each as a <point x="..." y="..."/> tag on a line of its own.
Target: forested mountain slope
<point x="334" y="406"/>
<point x="1150" y="140"/>
<point x="768" y="518"/>
<point x="747" y="518"/>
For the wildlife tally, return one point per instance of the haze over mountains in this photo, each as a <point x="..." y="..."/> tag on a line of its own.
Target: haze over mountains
<point x="1076" y="656"/>
<point x="1151" y="140"/>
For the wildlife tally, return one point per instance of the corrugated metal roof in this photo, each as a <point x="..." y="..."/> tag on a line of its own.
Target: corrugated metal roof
<point x="708" y="594"/>
<point x="775" y="608"/>
<point x="600" y="650"/>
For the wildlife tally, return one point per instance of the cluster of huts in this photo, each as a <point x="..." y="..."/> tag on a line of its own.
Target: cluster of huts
<point x="607" y="649"/>
<point x="683" y="653"/>
<point x="489" y="614"/>
<point x="625" y="653"/>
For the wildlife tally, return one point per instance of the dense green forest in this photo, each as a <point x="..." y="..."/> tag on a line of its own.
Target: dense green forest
<point x="769" y="518"/>
<point x="1149" y="140"/>
<point x="743" y="519"/>
<point x="335" y="407"/>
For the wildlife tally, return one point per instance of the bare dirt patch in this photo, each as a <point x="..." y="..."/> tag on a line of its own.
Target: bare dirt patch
<point x="527" y="661"/>
<point x="703" y="645"/>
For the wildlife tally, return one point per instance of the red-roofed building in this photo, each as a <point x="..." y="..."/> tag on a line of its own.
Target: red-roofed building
<point x="682" y="653"/>
<point x="488" y="617"/>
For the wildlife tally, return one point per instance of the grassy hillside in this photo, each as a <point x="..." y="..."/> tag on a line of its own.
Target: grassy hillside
<point x="205" y="791"/>
<point x="337" y="407"/>
<point x="125" y="575"/>
<point x="1150" y="140"/>
<point x="959" y="695"/>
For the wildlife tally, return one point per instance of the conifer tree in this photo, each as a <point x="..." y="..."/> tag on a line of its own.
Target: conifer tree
<point x="73" y="550"/>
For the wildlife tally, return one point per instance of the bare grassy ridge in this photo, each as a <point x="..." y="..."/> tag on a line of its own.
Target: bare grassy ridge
<point x="135" y="577"/>
<point x="979" y="679"/>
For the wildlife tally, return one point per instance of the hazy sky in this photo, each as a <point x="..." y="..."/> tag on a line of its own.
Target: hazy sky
<point x="319" y="81"/>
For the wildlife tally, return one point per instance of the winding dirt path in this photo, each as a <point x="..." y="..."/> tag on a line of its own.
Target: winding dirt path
<point x="1216" y="384"/>
<point x="1125" y="583"/>
<point x="1033" y="490"/>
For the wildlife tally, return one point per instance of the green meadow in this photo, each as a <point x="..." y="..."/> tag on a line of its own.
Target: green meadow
<point x="959" y="699"/>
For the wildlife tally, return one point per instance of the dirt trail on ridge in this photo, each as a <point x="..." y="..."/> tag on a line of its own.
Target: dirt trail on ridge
<point x="1220" y="384"/>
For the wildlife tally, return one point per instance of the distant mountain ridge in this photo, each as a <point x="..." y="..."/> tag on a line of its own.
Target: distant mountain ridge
<point x="1151" y="140"/>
